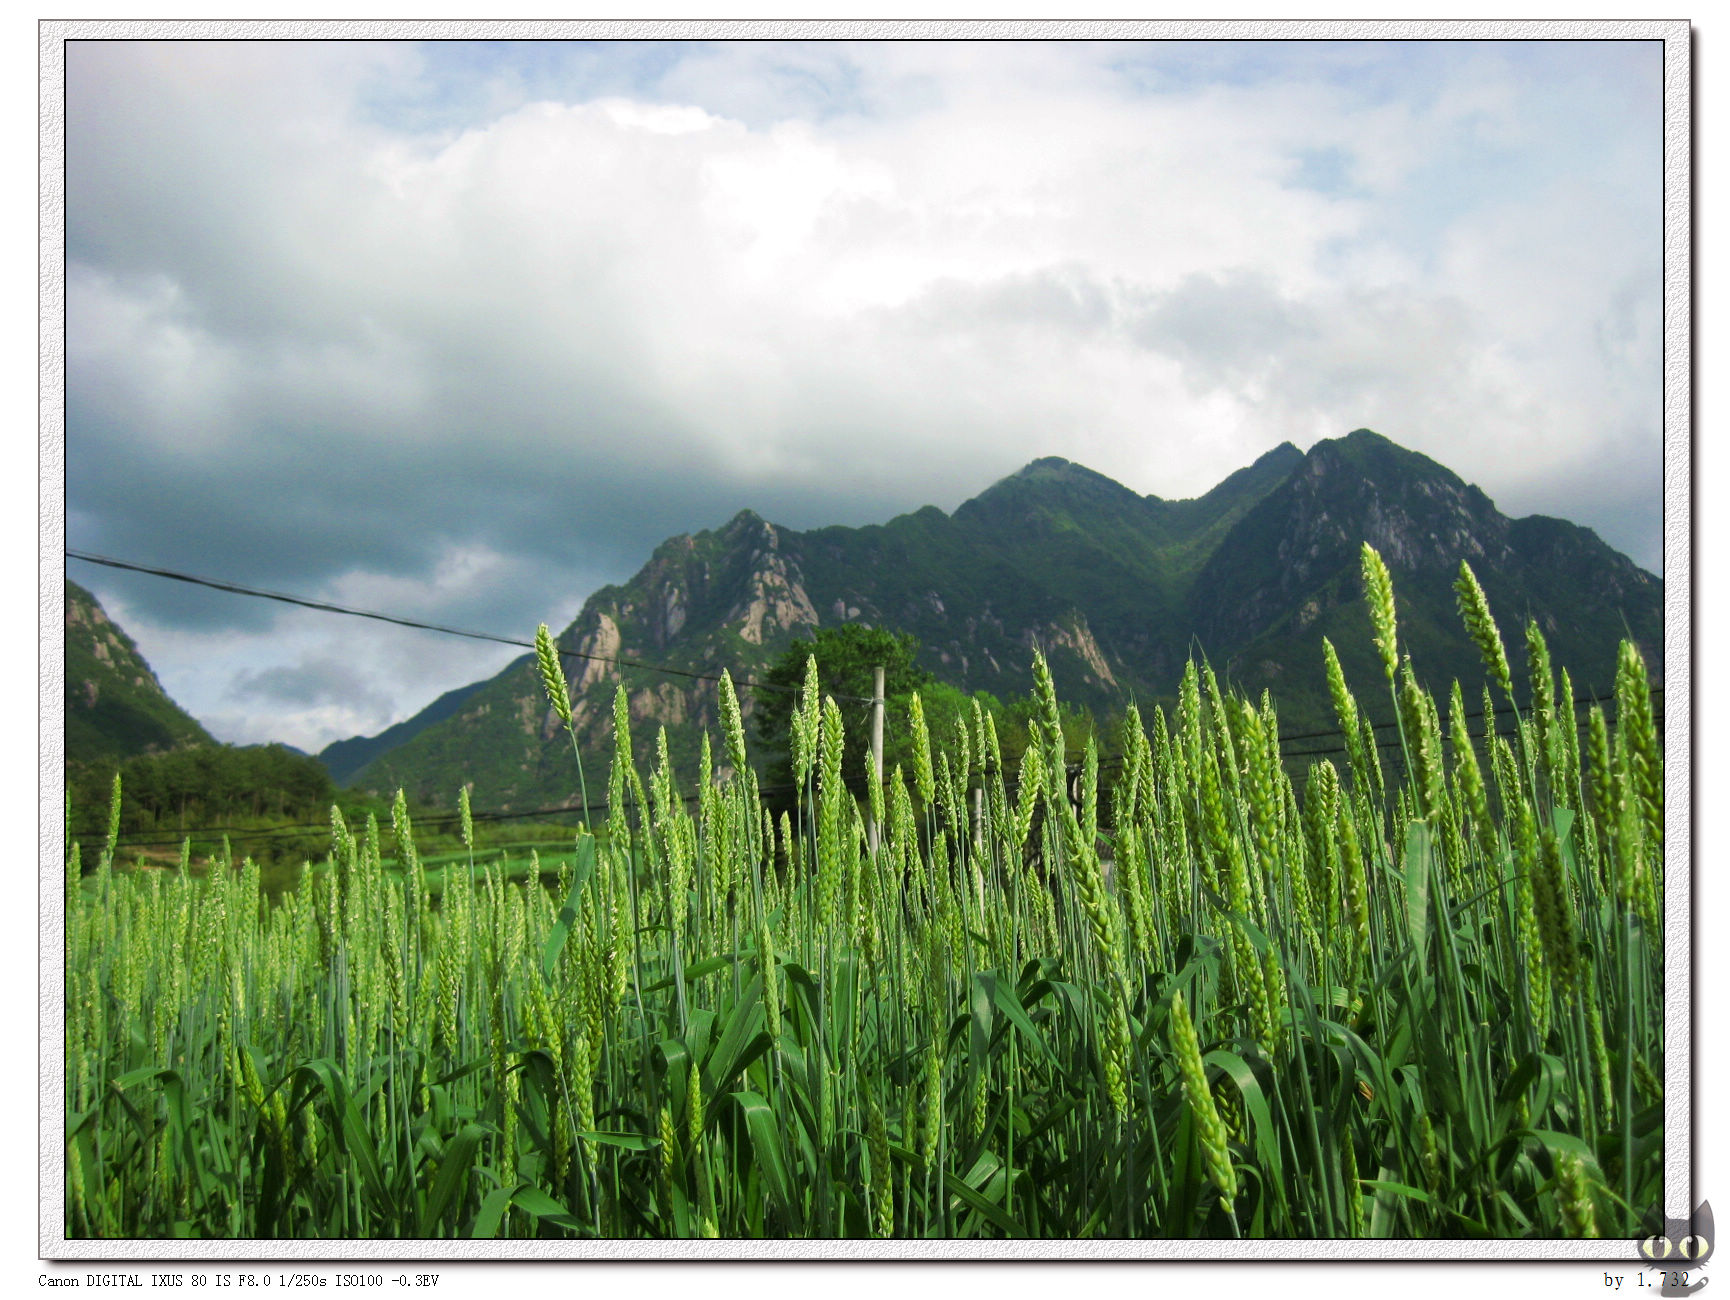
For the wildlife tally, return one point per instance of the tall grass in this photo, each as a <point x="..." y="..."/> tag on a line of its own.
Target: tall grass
<point x="1208" y="1001"/>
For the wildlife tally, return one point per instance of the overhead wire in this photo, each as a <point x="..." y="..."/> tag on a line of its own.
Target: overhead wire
<point x="329" y="607"/>
<point x="160" y="837"/>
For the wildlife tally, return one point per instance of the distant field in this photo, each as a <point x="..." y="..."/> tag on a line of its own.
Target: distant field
<point x="516" y="859"/>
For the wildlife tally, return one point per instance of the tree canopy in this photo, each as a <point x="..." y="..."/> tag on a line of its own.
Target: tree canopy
<point x="847" y="657"/>
<point x="204" y="783"/>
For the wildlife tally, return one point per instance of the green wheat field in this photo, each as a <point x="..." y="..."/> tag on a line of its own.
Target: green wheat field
<point x="1211" y="996"/>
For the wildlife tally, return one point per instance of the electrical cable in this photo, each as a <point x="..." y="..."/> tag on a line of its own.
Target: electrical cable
<point x="327" y="607"/>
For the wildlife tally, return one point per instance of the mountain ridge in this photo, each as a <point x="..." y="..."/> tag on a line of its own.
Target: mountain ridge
<point x="115" y="706"/>
<point x="1117" y="588"/>
<point x="343" y="758"/>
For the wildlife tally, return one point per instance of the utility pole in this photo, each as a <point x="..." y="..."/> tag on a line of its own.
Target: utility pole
<point x="874" y="832"/>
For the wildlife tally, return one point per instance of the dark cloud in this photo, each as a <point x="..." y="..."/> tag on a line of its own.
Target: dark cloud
<point x="322" y="681"/>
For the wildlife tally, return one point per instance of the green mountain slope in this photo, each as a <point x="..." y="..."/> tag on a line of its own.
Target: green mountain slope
<point x="115" y="707"/>
<point x="343" y="758"/>
<point x="1289" y="574"/>
<point x="1117" y="589"/>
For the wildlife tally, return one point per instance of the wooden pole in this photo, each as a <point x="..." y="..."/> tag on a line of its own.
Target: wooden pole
<point x="873" y="831"/>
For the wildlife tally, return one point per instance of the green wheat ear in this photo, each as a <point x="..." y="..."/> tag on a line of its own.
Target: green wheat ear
<point x="923" y="775"/>
<point x="1639" y="730"/>
<point x="1379" y="595"/>
<point x="1475" y="613"/>
<point x="1574" y="1195"/>
<point x="732" y="725"/>
<point x="553" y="674"/>
<point x="805" y="720"/>
<point x="113" y="839"/>
<point x="1216" y="1154"/>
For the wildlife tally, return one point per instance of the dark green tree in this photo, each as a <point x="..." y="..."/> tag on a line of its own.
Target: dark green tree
<point x="205" y="784"/>
<point x="846" y="659"/>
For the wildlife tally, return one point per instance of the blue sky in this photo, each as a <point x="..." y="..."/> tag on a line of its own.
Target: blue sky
<point x="462" y="331"/>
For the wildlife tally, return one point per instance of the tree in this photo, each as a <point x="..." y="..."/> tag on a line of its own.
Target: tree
<point x="846" y="659"/>
<point x="207" y="783"/>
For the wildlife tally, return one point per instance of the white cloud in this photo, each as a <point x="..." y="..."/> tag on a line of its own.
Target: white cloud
<point x="313" y="343"/>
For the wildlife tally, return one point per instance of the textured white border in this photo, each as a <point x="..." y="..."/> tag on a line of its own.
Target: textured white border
<point x="1681" y="1196"/>
<point x="51" y="623"/>
<point x="1678" y="593"/>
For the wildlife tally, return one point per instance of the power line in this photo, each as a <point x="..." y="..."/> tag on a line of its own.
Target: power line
<point x="1578" y="701"/>
<point x="1394" y="743"/>
<point x="300" y="830"/>
<point x="163" y="836"/>
<point x="1499" y="711"/>
<point x="327" y="607"/>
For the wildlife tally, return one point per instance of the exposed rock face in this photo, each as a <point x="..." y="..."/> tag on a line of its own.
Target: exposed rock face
<point x="664" y="703"/>
<point x="600" y="645"/>
<point x="1296" y="556"/>
<point x="1071" y="635"/>
<point x="777" y="603"/>
<point x="89" y="623"/>
<point x="1079" y="639"/>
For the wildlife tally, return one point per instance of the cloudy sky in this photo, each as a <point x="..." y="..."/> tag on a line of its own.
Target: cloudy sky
<point x="461" y="331"/>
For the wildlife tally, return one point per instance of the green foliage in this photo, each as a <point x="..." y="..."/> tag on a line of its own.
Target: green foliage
<point x="344" y="758"/>
<point x="203" y="785"/>
<point x="847" y="657"/>
<point x="1177" y="1009"/>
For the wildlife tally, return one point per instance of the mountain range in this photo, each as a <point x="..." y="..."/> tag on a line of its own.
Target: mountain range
<point x="1117" y="589"/>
